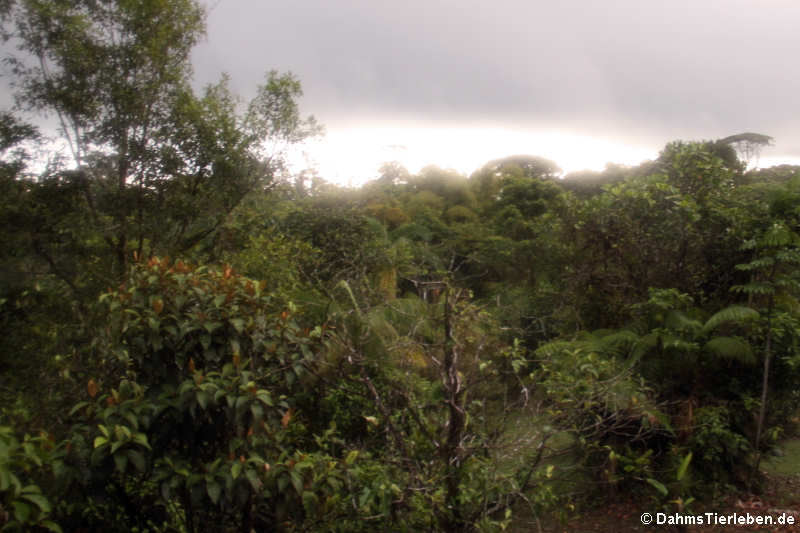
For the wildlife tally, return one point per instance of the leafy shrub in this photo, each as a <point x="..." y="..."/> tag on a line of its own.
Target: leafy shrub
<point x="721" y="453"/>
<point x="22" y="504"/>
<point x="194" y="404"/>
<point x="619" y="429"/>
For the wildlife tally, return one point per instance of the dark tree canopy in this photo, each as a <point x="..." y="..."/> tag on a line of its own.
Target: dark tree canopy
<point x="531" y="166"/>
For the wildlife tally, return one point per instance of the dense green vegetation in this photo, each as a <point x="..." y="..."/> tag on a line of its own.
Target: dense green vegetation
<point x="194" y="340"/>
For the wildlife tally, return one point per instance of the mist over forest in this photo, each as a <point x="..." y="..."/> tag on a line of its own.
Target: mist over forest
<point x="198" y="337"/>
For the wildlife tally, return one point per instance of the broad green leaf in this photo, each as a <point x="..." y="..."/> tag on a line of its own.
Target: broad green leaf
<point x="6" y="479"/>
<point x="658" y="486"/>
<point x="683" y="466"/>
<point x="131" y="418"/>
<point x="351" y="457"/>
<point x="123" y="432"/>
<point x="52" y="526"/>
<point x="297" y="482"/>
<point x="22" y="511"/>
<point x="78" y="407"/>
<point x="211" y="327"/>
<point x="203" y="399"/>
<point x="117" y="445"/>
<point x="36" y="497"/>
<point x="214" y="491"/>
<point x="310" y="501"/>
<point x="265" y="398"/>
<point x="138" y="460"/>
<point x="252" y="477"/>
<point x="141" y="438"/>
<point x="31" y="454"/>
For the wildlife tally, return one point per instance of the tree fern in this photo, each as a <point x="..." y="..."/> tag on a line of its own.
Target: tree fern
<point x="553" y="349"/>
<point x="645" y="345"/>
<point x="732" y="314"/>
<point x="679" y="321"/>
<point x="380" y="326"/>
<point x="733" y="349"/>
<point x="618" y="343"/>
<point x="676" y="343"/>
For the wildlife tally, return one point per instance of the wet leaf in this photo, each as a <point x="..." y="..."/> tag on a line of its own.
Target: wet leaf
<point x="286" y="418"/>
<point x="91" y="387"/>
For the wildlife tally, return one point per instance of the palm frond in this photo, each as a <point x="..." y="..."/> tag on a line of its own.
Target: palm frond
<point x="379" y="325"/>
<point x="679" y="321"/>
<point x="734" y="313"/>
<point x="617" y="343"/>
<point x="731" y="348"/>
<point x="553" y="349"/>
<point x="346" y="286"/>
<point x="675" y="343"/>
<point x="645" y="345"/>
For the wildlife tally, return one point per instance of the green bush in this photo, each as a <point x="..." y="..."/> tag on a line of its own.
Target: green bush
<point x="192" y="415"/>
<point x="22" y="504"/>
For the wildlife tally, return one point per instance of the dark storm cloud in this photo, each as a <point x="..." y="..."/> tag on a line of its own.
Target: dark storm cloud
<point x="638" y="69"/>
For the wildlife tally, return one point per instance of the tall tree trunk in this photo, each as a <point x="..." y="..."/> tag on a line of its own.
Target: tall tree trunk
<point x="121" y="215"/>
<point x="452" y="452"/>
<point x="762" y="411"/>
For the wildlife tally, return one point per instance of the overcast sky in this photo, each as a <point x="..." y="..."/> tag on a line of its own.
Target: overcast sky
<point x="537" y="76"/>
<point x="457" y="83"/>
